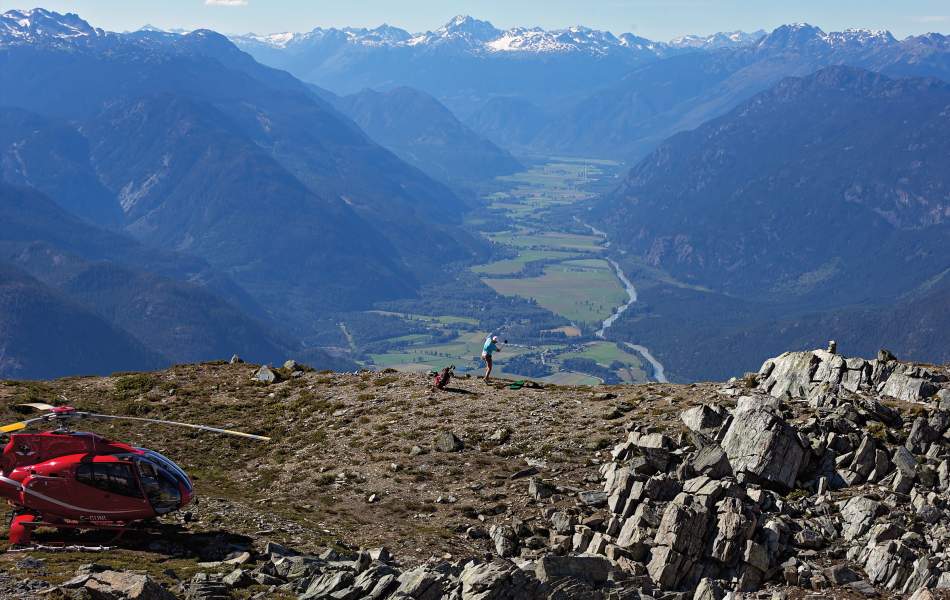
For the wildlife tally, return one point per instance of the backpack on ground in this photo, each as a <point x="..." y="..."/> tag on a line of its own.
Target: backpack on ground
<point x="444" y="377"/>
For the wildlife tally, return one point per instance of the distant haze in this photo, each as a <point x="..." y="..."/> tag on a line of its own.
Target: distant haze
<point x="654" y="19"/>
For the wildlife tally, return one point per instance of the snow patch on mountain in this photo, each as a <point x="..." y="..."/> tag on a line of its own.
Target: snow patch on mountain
<point x="726" y="39"/>
<point x="39" y="24"/>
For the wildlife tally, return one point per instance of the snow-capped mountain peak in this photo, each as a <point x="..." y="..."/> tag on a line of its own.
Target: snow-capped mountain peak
<point x="537" y="40"/>
<point x="464" y="26"/>
<point x="801" y="36"/>
<point x="380" y="36"/>
<point x="276" y="40"/>
<point x="861" y="37"/>
<point x="40" y="24"/>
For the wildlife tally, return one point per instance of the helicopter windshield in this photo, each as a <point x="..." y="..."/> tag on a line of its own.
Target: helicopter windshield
<point x="169" y="466"/>
<point x="160" y="486"/>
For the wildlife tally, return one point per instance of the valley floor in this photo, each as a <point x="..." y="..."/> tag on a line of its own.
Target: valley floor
<point x="549" y="258"/>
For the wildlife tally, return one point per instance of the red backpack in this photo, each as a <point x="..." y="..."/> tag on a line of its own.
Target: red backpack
<point x="444" y="377"/>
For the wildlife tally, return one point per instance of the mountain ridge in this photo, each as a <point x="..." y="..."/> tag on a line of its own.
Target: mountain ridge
<point x="371" y="203"/>
<point x="482" y="36"/>
<point x="424" y="133"/>
<point x="815" y="206"/>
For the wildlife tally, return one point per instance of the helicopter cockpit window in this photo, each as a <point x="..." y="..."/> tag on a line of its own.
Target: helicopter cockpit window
<point x="116" y="478"/>
<point x="160" y="487"/>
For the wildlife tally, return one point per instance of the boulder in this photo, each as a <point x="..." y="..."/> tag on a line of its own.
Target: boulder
<point x="789" y="374"/>
<point x="683" y="526"/>
<point x="266" y="375"/>
<point x="703" y="419"/>
<point x="238" y="578"/>
<point x="496" y="580"/>
<point x="908" y="389"/>
<point x="905" y="462"/>
<point x="734" y="526"/>
<point x="448" y="442"/>
<point x="377" y="582"/>
<point x="422" y="583"/>
<point x="943" y="399"/>
<point x="920" y="436"/>
<point x="763" y="447"/>
<point x="594" y="498"/>
<point x="563" y="522"/>
<point x="505" y="539"/>
<point x="539" y="490"/>
<point x="640" y="528"/>
<point x="858" y="514"/>
<point x="709" y="589"/>
<point x="667" y="567"/>
<point x="120" y="585"/>
<point x="592" y="569"/>
<point x="712" y="461"/>
<point x="889" y="564"/>
<point x="323" y="585"/>
<point x="857" y="374"/>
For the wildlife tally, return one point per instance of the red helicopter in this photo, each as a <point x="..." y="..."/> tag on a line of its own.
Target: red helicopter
<point x="78" y="480"/>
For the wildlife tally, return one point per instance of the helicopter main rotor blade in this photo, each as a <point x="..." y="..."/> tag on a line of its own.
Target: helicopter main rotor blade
<point x="176" y="423"/>
<point x="20" y="426"/>
<point x="38" y="405"/>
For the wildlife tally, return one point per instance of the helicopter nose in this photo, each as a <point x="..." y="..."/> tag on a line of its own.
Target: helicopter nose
<point x="186" y="496"/>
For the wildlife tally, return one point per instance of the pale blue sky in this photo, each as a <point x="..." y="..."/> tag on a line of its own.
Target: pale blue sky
<point x="655" y="19"/>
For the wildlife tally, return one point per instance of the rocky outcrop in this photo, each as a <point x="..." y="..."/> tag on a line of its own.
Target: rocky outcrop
<point x="812" y="375"/>
<point x="744" y="497"/>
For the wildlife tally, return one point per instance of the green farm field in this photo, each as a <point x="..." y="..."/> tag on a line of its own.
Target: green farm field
<point x="607" y="353"/>
<point x="510" y="266"/>
<point x="549" y="240"/>
<point x="585" y="291"/>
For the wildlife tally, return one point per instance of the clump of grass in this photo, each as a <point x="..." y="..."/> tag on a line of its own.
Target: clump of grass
<point x="877" y="430"/>
<point x="325" y="479"/>
<point x="129" y="386"/>
<point x="384" y="381"/>
<point x="797" y="494"/>
<point x="136" y="409"/>
<point x="32" y="391"/>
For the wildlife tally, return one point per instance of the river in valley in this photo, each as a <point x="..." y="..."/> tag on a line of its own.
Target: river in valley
<point x="659" y="373"/>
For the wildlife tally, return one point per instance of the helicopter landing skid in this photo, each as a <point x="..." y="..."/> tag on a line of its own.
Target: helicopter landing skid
<point x="23" y="525"/>
<point x="59" y="548"/>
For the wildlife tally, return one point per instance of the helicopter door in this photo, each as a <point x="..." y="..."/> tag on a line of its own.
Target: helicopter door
<point x="160" y="487"/>
<point x="108" y="488"/>
<point x="44" y="490"/>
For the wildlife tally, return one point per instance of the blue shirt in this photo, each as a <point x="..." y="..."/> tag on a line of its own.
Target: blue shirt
<point x="489" y="347"/>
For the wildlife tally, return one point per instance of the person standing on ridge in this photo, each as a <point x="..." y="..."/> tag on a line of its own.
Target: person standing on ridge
<point x="490" y="347"/>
